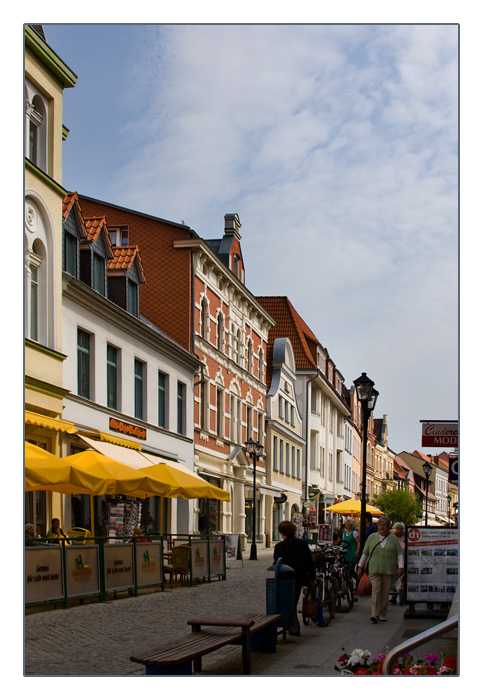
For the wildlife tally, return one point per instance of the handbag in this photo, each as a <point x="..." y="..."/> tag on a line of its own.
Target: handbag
<point x="310" y="607"/>
<point x="364" y="587"/>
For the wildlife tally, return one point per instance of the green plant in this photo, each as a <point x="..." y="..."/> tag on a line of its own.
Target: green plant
<point x="400" y="505"/>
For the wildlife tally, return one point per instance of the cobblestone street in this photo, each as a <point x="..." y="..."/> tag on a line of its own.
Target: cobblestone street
<point x="98" y="639"/>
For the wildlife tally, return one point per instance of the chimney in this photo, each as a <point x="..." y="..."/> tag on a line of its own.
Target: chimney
<point x="232" y="225"/>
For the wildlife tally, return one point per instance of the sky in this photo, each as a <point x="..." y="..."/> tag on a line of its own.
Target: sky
<point x="337" y="145"/>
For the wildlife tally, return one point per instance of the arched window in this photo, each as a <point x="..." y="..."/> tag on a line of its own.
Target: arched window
<point x="220" y="332"/>
<point x="36" y="128"/>
<point x="205" y="319"/>
<point x="39" y="276"/>
<point x="261" y="360"/>
<point x="250" y="355"/>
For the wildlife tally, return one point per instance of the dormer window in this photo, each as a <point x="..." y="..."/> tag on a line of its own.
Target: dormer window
<point x="119" y="235"/>
<point x="132" y="297"/>
<point x="99" y="274"/>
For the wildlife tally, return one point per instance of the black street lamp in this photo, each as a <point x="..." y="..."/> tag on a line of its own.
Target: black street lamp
<point x="427" y="470"/>
<point x="254" y="450"/>
<point x="367" y="395"/>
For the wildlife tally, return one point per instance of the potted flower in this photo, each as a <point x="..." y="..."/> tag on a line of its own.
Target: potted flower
<point x="361" y="663"/>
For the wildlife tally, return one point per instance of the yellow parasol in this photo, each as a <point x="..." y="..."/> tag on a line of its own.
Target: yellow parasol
<point x="351" y="507"/>
<point x="46" y="472"/>
<point x="109" y="476"/>
<point x="184" y="483"/>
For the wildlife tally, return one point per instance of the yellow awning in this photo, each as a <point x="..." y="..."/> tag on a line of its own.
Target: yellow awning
<point x="115" y="440"/>
<point x="50" y="423"/>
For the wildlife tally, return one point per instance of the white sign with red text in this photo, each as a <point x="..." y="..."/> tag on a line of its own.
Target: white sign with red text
<point x="432" y="564"/>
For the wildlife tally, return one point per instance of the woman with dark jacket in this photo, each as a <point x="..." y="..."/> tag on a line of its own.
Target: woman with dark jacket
<point x="296" y="554"/>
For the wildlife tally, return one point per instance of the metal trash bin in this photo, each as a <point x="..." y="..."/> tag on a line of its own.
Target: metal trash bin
<point x="280" y="594"/>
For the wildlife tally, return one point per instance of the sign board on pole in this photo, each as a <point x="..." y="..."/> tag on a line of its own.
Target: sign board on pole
<point x="326" y="534"/>
<point x="453" y="470"/>
<point x="432" y="570"/>
<point x="440" y="434"/>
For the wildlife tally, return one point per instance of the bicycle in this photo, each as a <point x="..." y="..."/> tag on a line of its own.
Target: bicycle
<point x="323" y="587"/>
<point x="343" y="583"/>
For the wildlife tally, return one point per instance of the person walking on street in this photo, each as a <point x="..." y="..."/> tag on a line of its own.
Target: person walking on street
<point x="295" y="553"/>
<point x="370" y="527"/>
<point x="351" y="543"/>
<point x="385" y="559"/>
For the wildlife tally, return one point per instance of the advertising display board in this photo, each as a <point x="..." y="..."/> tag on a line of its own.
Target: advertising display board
<point x="148" y="563"/>
<point x="199" y="558"/>
<point x="326" y="533"/>
<point x="82" y="570"/>
<point x="43" y="573"/>
<point x="439" y="433"/>
<point x="119" y="569"/>
<point x="233" y="548"/>
<point x="432" y="564"/>
<point x="217" y="557"/>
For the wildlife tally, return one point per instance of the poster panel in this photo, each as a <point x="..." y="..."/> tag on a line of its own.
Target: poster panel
<point x="119" y="566"/>
<point x="233" y="549"/>
<point x="217" y="557"/>
<point x="43" y="574"/>
<point x="82" y="570"/>
<point x="199" y="558"/>
<point x="432" y="564"/>
<point x="148" y="563"/>
<point x="326" y="533"/>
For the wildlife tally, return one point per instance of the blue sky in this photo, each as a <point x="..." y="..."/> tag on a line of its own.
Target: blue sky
<point x="337" y="145"/>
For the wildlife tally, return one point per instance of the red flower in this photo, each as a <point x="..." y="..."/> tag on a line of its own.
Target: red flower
<point x="343" y="658"/>
<point x="450" y="662"/>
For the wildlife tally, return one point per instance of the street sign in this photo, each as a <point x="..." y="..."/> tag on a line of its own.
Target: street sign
<point x="453" y="470"/>
<point x="438" y="433"/>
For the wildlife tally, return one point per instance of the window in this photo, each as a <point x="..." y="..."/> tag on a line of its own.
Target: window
<point x="293" y="461"/>
<point x="260" y="365"/>
<point x="281" y="456"/>
<point x="280" y="407"/>
<point x="99" y="280"/>
<point x="249" y="422"/>
<point x="275" y="453"/>
<point x="221" y="333"/>
<point x="181" y="409"/>
<point x="287" y="459"/>
<point x="119" y="235"/>
<point x="112" y="377"/>
<point x="162" y="399"/>
<point x="37" y="131"/>
<point x="83" y="363"/>
<point x="205" y="319"/>
<point x="132" y="298"/>
<point x="292" y="416"/>
<point x="205" y="404"/>
<point x="298" y="464"/>
<point x="220" y="412"/>
<point x="34" y="302"/>
<point x="70" y="254"/>
<point x="139" y="368"/>
<point x="250" y="355"/>
<point x="261" y="425"/>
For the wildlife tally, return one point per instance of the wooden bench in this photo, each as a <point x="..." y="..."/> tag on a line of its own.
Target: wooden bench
<point x="183" y="655"/>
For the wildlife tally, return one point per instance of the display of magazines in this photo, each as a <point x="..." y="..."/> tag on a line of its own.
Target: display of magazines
<point x="121" y="517"/>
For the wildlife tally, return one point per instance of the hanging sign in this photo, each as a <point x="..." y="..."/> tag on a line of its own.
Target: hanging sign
<point x="439" y="434"/>
<point x="453" y="470"/>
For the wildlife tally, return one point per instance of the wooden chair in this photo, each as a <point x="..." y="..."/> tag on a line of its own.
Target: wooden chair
<point x="180" y="564"/>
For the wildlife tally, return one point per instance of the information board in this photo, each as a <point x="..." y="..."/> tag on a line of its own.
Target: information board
<point x="217" y="557"/>
<point x="432" y="564"/>
<point x="233" y="548"/>
<point x="199" y="558"/>
<point x="82" y="570"/>
<point x="326" y="533"/>
<point x="119" y="567"/>
<point x="148" y="563"/>
<point x="43" y="573"/>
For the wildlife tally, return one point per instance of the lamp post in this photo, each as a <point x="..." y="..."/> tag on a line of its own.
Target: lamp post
<point x="427" y="470"/>
<point x="367" y="396"/>
<point x="254" y="450"/>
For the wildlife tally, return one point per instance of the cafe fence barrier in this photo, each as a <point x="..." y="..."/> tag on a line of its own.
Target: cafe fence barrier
<point x="96" y="567"/>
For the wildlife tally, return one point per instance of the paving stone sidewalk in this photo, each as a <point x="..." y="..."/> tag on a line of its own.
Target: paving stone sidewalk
<point x="98" y="639"/>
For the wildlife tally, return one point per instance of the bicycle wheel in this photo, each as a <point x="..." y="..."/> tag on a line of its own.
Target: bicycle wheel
<point x="327" y="596"/>
<point x="345" y="596"/>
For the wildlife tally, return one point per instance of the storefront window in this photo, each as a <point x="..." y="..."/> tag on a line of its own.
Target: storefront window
<point x="209" y="517"/>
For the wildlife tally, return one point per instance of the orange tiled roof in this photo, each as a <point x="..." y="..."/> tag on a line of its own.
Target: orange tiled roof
<point x="290" y="325"/>
<point x="124" y="257"/>
<point x="67" y="203"/>
<point x="94" y="226"/>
